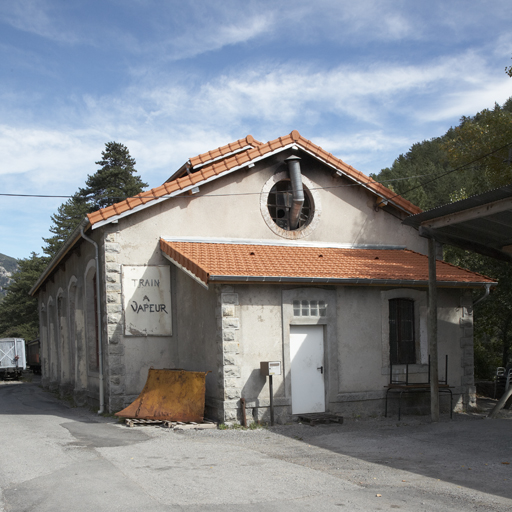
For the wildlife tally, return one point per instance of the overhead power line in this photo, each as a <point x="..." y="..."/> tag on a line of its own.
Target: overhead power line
<point x="436" y="177"/>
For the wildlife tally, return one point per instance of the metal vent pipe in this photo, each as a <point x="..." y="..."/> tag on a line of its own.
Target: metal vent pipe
<point x="293" y="163"/>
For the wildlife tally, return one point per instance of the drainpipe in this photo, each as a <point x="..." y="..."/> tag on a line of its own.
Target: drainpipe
<point x="486" y="294"/>
<point x="297" y="190"/>
<point x="98" y="308"/>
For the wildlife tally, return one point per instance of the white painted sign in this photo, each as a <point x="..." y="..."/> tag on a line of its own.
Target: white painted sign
<point x="147" y="300"/>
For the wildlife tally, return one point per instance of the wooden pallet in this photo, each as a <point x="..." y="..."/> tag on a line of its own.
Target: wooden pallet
<point x="175" y="425"/>
<point x="317" y="418"/>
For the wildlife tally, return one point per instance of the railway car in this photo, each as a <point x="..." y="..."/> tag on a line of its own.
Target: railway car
<point x="12" y="358"/>
<point x="33" y="356"/>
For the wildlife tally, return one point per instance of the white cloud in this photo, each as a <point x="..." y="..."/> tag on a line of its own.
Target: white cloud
<point x="48" y="159"/>
<point x="37" y="17"/>
<point x="379" y="110"/>
<point x="217" y="35"/>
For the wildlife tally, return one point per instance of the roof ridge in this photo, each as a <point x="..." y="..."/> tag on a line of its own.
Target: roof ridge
<point x="229" y="160"/>
<point x="221" y="151"/>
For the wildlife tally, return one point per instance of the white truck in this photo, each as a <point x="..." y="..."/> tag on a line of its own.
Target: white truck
<point x="12" y="358"/>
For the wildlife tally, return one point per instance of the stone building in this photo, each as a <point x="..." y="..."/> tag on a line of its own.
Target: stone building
<point x="250" y="253"/>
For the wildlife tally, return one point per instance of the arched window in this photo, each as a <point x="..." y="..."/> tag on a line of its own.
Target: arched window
<point x="91" y="296"/>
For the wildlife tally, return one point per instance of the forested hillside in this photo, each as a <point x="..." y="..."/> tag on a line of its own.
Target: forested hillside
<point x="8" y="265"/>
<point x="468" y="159"/>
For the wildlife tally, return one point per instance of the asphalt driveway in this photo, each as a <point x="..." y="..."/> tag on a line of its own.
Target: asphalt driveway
<point x="57" y="458"/>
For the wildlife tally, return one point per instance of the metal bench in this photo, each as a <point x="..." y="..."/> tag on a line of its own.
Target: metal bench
<point x="406" y="387"/>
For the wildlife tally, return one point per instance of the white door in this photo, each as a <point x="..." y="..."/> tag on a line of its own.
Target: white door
<point x="307" y="368"/>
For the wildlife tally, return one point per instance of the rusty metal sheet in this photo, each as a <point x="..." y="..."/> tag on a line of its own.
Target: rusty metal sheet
<point x="174" y="395"/>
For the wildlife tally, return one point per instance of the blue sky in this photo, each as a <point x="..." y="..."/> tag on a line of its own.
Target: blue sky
<point x="172" y="79"/>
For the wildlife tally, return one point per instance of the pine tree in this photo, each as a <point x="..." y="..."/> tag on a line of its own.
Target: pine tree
<point x="19" y="317"/>
<point x="68" y="217"/>
<point x="115" y="181"/>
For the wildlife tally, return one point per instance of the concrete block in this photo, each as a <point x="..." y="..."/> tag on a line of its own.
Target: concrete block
<point x="231" y="371"/>
<point x="112" y="278"/>
<point x="467" y="380"/>
<point x="113" y="267"/>
<point x="232" y="383"/>
<point x="117" y="390"/>
<point x="228" y="335"/>
<point x="112" y="247"/>
<point x="116" y="404"/>
<point x="232" y="393"/>
<point x="230" y="323"/>
<point x="115" y="380"/>
<point x="115" y="360"/>
<point x="114" y="318"/>
<point x="117" y="370"/>
<point x="114" y="340"/>
<point x="232" y="347"/>
<point x="230" y="415"/>
<point x="110" y="257"/>
<point x="114" y="332"/>
<point x="468" y="332"/>
<point x="113" y="287"/>
<point x="228" y="310"/>
<point x="114" y="308"/>
<point x="113" y="298"/>
<point x="468" y="361"/>
<point x="116" y="350"/>
<point x="468" y="371"/>
<point x="466" y="342"/>
<point x="111" y="237"/>
<point x="230" y="359"/>
<point x="229" y="298"/>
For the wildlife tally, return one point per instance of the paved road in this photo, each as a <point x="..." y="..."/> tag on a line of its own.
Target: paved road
<point x="55" y="458"/>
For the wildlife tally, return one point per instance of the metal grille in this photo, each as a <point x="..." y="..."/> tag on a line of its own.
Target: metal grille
<point x="280" y="202"/>
<point x="401" y="331"/>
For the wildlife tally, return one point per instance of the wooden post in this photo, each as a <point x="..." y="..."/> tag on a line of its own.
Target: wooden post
<point x="432" y="330"/>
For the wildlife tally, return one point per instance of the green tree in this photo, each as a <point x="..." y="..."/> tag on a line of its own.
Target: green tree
<point x="415" y="174"/>
<point x="476" y="141"/>
<point x="423" y="176"/>
<point x="18" y="311"/>
<point x="68" y="217"/>
<point x="115" y="181"/>
<point x="492" y="316"/>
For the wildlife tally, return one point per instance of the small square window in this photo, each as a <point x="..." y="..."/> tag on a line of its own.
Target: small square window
<point x="296" y="308"/>
<point x="305" y="308"/>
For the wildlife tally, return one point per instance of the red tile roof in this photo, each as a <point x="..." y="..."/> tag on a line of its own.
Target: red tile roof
<point x="232" y="161"/>
<point x="209" y="261"/>
<point x="224" y="150"/>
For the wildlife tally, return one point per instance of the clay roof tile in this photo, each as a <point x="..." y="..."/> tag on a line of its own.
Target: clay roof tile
<point x="255" y="149"/>
<point x="293" y="262"/>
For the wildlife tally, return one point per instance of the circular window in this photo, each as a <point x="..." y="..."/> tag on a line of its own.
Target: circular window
<point x="276" y="206"/>
<point x="280" y="206"/>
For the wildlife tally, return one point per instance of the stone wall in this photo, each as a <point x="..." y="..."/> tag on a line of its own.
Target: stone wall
<point x="230" y="370"/>
<point x="113" y="350"/>
<point x="467" y="362"/>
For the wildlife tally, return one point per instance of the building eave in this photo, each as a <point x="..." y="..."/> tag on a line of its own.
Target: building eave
<point x="71" y="241"/>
